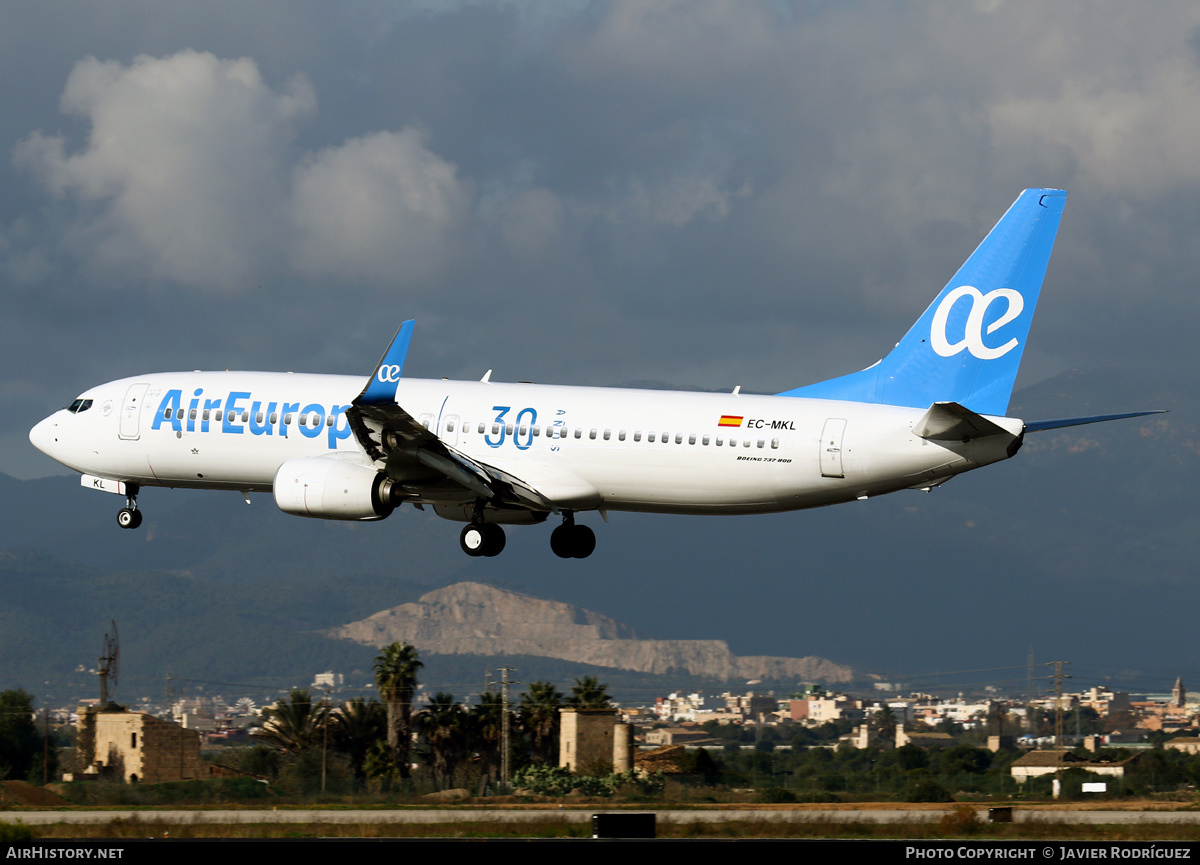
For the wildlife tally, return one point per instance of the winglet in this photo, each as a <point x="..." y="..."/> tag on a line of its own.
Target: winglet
<point x="381" y="387"/>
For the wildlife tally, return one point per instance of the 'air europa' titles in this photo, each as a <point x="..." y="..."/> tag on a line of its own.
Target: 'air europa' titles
<point x="239" y="413"/>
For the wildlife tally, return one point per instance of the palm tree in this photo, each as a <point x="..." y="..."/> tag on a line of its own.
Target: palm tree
<point x="539" y="714"/>
<point x="355" y="727"/>
<point x="294" y="724"/>
<point x="443" y="726"/>
<point x="396" y="679"/>
<point x="588" y="693"/>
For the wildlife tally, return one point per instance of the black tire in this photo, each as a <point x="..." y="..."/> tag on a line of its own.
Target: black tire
<point x="128" y="518"/>
<point x="583" y="541"/>
<point x="493" y="540"/>
<point x="137" y="519"/>
<point x="473" y="539"/>
<point x="560" y="542"/>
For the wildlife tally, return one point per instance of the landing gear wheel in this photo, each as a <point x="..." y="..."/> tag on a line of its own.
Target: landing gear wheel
<point x="128" y="518"/>
<point x="493" y="540"/>
<point x="585" y="542"/>
<point x="560" y="542"/>
<point x="482" y="539"/>
<point x="570" y="541"/>
<point x="473" y="539"/>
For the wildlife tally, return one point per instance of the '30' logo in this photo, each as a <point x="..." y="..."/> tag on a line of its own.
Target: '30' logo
<point x="973" y="330"/>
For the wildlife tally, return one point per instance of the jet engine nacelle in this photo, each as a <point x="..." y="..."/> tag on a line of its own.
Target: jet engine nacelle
<point x="332" y="489"/>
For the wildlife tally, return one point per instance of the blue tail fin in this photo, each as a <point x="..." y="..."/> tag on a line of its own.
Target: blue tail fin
<point x="967" y="346"/>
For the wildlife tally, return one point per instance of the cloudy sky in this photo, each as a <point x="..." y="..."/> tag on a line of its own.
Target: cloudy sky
<point x="699" y="193"/>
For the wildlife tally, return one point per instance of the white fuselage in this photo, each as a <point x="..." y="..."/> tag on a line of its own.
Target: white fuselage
<point x="583" y="448"/>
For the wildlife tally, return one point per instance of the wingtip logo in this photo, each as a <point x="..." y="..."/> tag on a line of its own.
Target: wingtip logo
<point x="973" y="330"/>
<point x="388" y="373"/>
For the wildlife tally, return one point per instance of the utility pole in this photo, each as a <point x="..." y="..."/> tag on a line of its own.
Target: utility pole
<point x="505" y="726"/>
<point x="1058" y="701"/>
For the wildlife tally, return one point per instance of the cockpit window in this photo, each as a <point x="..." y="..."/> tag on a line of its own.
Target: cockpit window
<point x="79" y="405"/>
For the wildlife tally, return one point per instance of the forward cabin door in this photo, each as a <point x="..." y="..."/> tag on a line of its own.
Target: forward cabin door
<point x="131" y="411"/>
<point x="831" y="448"/>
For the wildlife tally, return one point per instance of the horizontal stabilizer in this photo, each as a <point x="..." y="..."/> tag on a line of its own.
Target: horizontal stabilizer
<point x="1039" y="425"/>
<point x="949" y="421"/>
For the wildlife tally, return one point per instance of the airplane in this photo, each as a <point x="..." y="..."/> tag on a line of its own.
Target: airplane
<point x="491" y="454"/>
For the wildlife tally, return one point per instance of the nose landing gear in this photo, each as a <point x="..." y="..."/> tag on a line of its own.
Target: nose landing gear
<point x="129" y="517"/>
<point x="571" y="541"/>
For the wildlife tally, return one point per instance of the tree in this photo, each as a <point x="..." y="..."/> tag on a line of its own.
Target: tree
<point x="443" y="726"/>
<point x="295" y="724"/>
<point x="539" y="716"/>
<point x="356" y="726"/>
<point x="588" y="693"/>
<point x="396" y="679"/>
<point x="20" y="745"/>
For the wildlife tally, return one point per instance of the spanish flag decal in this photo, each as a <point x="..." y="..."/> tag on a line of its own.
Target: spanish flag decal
<point x="730" y="420"/>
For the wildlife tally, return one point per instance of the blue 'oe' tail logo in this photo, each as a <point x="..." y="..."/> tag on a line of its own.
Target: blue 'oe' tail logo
<point x="967" y="346"/>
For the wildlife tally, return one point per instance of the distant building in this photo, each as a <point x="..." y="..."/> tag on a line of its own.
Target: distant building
<point x="1037" y="763"/>
<point x="923" y="739"/>
<point x="676" y="736"/>
<point x="132" y="747"/>
<point x="594" y="739"/>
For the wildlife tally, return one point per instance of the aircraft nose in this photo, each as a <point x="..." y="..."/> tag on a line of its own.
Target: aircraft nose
<point x="42" y="436"/>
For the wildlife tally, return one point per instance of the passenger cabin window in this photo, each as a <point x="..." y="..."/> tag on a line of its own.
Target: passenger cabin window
<point x="274" y="417"/>
<point x="774" y="444"/>
<point x="692" y="439"/>
<point x="761" y="442"/>
<point x="679" y="438"/>
<point x="607" y="434"/>
<point x="287" y="419"/>
<point x="205" y="415"/>
<point x="704" y="440"/>
<point x="449" y="426"/>
<point x="481" y="428"/>
<point x="637" y="435"/>
<point x="649" y="436"/>
<point x="592" y="434"/>
<point x="621" y="436"/>
<point x="578" y="432"/>
<point x="192" y="414"/>
<point x="167" y="413"/>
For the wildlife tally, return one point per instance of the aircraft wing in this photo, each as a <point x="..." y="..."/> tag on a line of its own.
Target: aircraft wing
<point x="416" y="457"/>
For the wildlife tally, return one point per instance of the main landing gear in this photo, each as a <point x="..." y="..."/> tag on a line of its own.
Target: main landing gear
<point x="568" y="541"/>
<point x="571" y="541"/>
<point x="482" y="539"/>
<point x="129" y="517"/>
